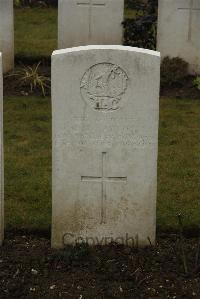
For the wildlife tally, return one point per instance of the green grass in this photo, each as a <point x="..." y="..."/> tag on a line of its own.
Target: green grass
<point x="179" y="163"/>
<point x="36" y="31"/>
<point x="27" y="127"/>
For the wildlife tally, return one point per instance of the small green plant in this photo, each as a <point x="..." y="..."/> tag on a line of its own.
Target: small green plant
<point x="197" y="82"/>
<point x="17" y="3"/>
<point x="173" y="71"/>
<point x="186" y="257"/>
<point x="30" y="78"/>
<point x="181" y="236"/>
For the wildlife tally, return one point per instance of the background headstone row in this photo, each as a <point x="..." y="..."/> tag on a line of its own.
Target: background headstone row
<point x="96" y="22"/>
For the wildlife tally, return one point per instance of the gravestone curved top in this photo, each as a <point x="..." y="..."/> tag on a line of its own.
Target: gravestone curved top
<point x="105" y="103"/>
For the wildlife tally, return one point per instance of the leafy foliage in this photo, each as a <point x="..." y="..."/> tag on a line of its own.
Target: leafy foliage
<point x="197" y="82"/>
<point x="30" y="78"/>
<point x="173" y="71"/>
<point x="141" y="31"/>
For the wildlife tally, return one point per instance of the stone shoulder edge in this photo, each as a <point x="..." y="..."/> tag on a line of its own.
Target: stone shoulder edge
<point x="117" y="48"/>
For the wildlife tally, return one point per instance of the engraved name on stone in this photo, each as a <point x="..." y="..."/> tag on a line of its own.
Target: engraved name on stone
<point x="80" y="132"/>
<point x="103" y="86"/>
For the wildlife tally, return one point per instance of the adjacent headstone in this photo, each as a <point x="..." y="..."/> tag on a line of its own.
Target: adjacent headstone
<point x="87" y="22"/>
<point x="105" y="102"/>
<point x="178" y="31"/>
<point x="1" y="157"/>
<point x="7" y="34"/>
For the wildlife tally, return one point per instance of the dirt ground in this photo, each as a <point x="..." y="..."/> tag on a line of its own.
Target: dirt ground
<point x="29" y="268"/>
<point x="185" y="90"/>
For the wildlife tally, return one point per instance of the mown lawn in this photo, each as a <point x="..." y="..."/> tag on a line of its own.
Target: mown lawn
<point x="27" y="131"/>
<point x="36" y="31"/>
<point x="179" y="163"/>
<point x="27" y="127"/>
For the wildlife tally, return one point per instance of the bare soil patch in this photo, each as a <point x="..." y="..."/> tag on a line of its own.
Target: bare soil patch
<point x="185" y="90"/>
<point x="29" y="268"/>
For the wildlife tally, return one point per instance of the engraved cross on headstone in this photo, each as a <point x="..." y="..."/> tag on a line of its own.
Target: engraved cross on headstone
<point x="90" y="4"/>
<point x="103" y="179"/>
<point x="191" y="10"/>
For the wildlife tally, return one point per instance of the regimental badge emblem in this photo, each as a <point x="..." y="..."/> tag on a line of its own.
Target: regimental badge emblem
<point x="103" y="86"/>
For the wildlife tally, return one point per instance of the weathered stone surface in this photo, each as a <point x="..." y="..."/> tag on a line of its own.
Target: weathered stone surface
<point x="1" y="158"/>
<point x="178" y="31"/>
<point x="7" y="34"/>
<point x="105" y="102"/>
<point x="87" y="22"/>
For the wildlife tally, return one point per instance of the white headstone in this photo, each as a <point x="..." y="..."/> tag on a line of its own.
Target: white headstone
<point x="7" y="34"/>
<point x="1" y="157"/>
<point x="105" y="135"/>
<point x="179" y="31"/>
<point x="87" y="22"/>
